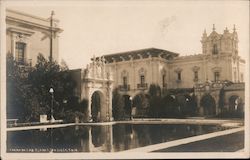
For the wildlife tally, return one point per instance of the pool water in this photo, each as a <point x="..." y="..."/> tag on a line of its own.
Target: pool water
<point x="101" y="138"/>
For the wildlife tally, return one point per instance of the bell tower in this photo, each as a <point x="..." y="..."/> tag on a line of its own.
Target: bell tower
<point x="220" y="44"/>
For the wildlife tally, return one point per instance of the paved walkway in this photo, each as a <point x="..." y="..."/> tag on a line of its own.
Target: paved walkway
<point x="227" y="143"/>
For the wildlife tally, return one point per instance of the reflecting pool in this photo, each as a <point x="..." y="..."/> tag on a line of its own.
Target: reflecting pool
<point x="101" y="138"/>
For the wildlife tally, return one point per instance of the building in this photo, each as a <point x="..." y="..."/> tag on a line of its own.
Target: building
<point x="136" y="70"/>
<point x="28" y="36"/>
<point x="206" y="73"/>
<point x="214" y="78"/>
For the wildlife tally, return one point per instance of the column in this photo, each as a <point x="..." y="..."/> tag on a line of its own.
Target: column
<point x="89" y="110"/>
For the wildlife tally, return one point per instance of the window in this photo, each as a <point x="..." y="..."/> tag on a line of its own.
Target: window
<point x="20" y="49"/>
<point x="125" y="81"/>
<point x="163" y="80"/>
<point x="215" y="49"/>
<point x="216" y="76"/>
<point x="142" y="78"/>
<point x="196" y="76"/>
<point x="179" y="76"/>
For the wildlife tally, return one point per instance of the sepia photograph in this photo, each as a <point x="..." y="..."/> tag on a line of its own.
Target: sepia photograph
<point x="136" y="79"/>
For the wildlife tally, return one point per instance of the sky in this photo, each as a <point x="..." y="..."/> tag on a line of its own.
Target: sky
<point x="106" y="27"/>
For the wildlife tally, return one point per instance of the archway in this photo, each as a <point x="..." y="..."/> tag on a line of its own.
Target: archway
<point x="235" y="103"/>
<point x="170" y="107"/>
<point x="127" y="105"/>
<point x="97" y="100"/>
<point x="186" y="104"/>
<point x="141" y="104"/>
<point x="208" y="104"/>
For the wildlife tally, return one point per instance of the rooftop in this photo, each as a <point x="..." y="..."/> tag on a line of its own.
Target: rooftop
<point x="140" y="54"/>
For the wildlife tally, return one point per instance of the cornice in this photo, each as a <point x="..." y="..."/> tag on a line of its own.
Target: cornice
<point x="20" y="30"/>
<point x="31" y="24"/>
<point x="8" y="11"/>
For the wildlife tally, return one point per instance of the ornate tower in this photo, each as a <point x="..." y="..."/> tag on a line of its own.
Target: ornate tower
<point x="217" y="44"/>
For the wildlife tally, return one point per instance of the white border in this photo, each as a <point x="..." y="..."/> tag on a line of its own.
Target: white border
<point x="138" y="155"/>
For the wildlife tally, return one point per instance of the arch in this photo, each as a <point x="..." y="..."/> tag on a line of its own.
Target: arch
<point x="127" y="105"/>
<point x="141" y="103"/>
<point x="186" y="104"/>
<point x="209" y="105"/>
<point x="170" y="107"/>
<point x="235" y="103"/>
<point x="97" y="106"/>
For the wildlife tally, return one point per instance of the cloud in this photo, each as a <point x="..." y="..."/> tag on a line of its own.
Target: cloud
<point x="165" y="24"/>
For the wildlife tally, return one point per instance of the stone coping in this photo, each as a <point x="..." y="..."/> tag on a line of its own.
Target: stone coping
<point x="231" y="123"/>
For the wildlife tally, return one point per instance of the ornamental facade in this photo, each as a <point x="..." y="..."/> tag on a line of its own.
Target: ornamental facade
<point x="134" y="71"/>
<point x="206" y="73"/>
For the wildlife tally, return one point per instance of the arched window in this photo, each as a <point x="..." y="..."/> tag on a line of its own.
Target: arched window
<point x="124" y="80"/>
<point x="196" y="73"/>
<point x="215" y="49"/>
<point x="163" y="80"/>
<point x="216" y="76"/>
<point x="178" y="74"/>
<point x="142" y="82"/>
<point x="196" y="77"/>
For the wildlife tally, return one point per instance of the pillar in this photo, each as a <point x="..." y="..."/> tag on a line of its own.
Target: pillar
<point x="200" y="108"/>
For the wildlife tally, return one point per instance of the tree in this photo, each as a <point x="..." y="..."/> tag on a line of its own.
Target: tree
<point x="118" y="105"/>
<point x="45" y="75"/>
<point x="141" y="102"/>
<point x="221" y="98"/>
<point x="154" y="101"/>
<point x="170" y="106"/>
<point x="208" y="103"/>
<point x="28" y="90"/>
<point x="77" y="111"/>
<point x="16" y="88"/>
<point x="192" y="105"/>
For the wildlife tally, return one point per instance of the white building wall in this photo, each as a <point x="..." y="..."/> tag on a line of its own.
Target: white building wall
<point x="35" y="32"/>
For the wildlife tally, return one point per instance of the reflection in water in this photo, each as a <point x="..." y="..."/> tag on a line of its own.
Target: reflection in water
<point x="103" y="138"/>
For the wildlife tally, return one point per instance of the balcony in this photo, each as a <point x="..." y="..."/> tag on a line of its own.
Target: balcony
<point x="24" y="62"/>
<point x="124" y="87"/>
<point x="142" y="86"/>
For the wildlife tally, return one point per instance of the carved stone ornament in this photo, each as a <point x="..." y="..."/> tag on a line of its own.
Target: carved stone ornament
<point x="20" y="38"/>
<point x="142" y="71"/>
<point x="163" y="71"/>
<point x="216" y="69"/>
<point x="196" y="68"/>
<point x="178" y="70"/>
<point x="124" y="73"/>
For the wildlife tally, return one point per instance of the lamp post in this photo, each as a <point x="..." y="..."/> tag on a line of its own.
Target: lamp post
<point x="131" y="98"/>
<point x="51" y="91"/>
